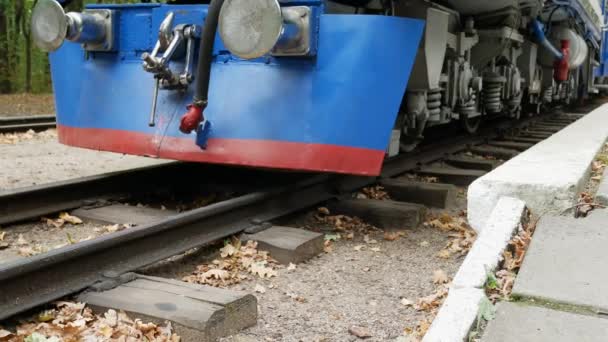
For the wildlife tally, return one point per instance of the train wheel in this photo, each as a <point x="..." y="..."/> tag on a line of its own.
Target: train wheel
<point x="471" y="125"/>
<point x="409" y="144"/>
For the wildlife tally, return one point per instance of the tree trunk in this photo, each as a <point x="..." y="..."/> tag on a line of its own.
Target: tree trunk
<point x="5" y="82"/>
<point x="27" y="34"/>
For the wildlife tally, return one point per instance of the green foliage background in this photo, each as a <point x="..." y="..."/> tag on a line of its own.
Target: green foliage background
<point x="24" y="68"/>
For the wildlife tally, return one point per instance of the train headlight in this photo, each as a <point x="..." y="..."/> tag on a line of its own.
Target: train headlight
<point x="49" y="25"/>
<point x="250" y="28"/>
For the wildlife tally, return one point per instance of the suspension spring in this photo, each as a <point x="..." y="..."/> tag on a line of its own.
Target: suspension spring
<point x="468" y="108"/>
<point x="492" y="93"/>
<point x="548" y="95"/>
<point x="433" y="102"/>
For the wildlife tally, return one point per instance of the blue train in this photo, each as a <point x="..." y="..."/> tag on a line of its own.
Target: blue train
<point x="314" y="85"/>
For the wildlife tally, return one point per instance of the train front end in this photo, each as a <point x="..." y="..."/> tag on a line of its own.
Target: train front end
<point x="281" y="85"/>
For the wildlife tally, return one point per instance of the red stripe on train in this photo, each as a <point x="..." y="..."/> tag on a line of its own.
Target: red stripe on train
<point x="252" y="153"/>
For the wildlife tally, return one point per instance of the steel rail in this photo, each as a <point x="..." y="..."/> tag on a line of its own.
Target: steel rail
<point x="30" y="282"/>
<point x="30" y="202"/>
<point x="13" y="124"/>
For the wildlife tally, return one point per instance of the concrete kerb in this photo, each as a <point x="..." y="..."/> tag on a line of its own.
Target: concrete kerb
<point x="459" y="312"/>
<point x="548" y="176"/>
<point x="547" y="179"/>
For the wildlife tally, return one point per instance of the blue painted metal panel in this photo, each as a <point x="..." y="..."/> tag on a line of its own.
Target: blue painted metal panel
<point x="348" y="95"/>
<point x="602" y="70"/>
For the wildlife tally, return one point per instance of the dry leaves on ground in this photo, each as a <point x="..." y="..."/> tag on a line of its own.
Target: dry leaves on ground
<point x="585" y="205"/>
<point x="235" y="264"/>
<point x="429" y="304"/>
<point x="343" y="223"/>
<point x="433" y="301"/>
<point x="14" y="138"/>
<point x="440" y="277"/>
<point x="463" y="236"/>
<point x="393" y="236"/>
<point x="419" y="178"/>
<point x="374" y="192"/>
<point x="417" y="333"/>
<point x="113" y="228"/>
<point x="61" y="220"/>
<point x="3" y="244"/>
<point x="500" y="284"/>
<point x="345" y="226"/>
<point x="71" y="322"/>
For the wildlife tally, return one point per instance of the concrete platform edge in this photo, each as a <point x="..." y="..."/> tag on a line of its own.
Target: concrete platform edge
<point x="548" y="176"/>
<point x="459" y="312"/>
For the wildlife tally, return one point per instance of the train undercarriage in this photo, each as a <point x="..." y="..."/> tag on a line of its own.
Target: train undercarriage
<point x="308" y="85"/>
<point x="484" y="59"/>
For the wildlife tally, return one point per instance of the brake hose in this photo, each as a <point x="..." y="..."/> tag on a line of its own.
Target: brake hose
<point x="194" y="116"/>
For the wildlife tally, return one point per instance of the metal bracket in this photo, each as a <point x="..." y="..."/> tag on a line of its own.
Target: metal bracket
<point x="107" y="17"/>
<point x="112" y="280"/>
<point x="168" y="44"/>
<point x="202" y="134"/>
<point x="296" y="37"/>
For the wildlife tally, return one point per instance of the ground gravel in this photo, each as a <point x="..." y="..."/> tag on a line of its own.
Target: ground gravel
<point x="347" y="288"/>
<point x="42" y="159"/>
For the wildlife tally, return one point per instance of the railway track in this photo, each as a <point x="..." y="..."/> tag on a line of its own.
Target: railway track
<point x="14" y="124"/>
<point x="30" y="282"/>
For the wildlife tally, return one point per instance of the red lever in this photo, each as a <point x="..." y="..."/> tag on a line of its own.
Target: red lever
<point x="561" y="66"/>
<point x="192" y="118"/>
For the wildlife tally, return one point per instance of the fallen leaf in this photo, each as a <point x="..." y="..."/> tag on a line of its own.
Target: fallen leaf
<point x="332" y="237"/>
<point x="367" y="240"/>
<point x="406" y="302"/>
<point x="27" y="251"/>
<point x="5" y="333"/>
<point x="432" y="301"/>
<point x="217" y="274"/>
<point x="327" y="246"/>
<point x="323" y="210"/>
<point x="228" y="250"/>
<point x="392" y="236"/>
<point x="116" y="227"/>
<point x="444" y="254"/>
<point x="359" y="332"/>
<point x="71" y="240"/>
<point x="440" y="277"/>
<point x="21" y="240"/>
<point x="259" y="288"/>
<point x="112" y="228"/>
<point x="261" y="270"/>
<point x="69" y="218"/>
<point x="2" y="235"/>
<point x="36" y="337"/>
<point x="111" y="318"/>
<point x="47" y="315"/>
<point x="291" y="267"/>
<point x="295" y="297"/>
<point x="90" y="237"/>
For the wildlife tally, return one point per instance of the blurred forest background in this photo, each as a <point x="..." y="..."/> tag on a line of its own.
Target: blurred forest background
<point x="23" y="67"/>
